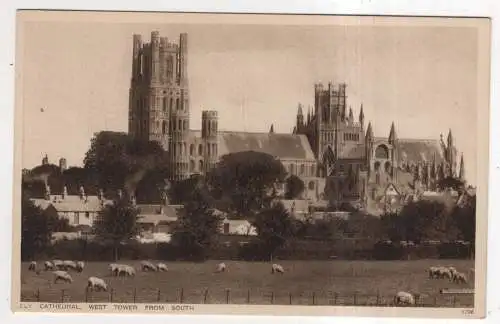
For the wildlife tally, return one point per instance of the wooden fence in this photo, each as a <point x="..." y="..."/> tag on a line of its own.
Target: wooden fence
<point x="226" y="296"/>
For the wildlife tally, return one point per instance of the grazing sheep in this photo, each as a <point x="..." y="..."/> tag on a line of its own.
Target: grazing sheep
<point x="68" y="264"/>
<point x="49" y="266"/>
<point x="148" y="266"/>
<point x="453" y="271"/>
<point x="162" y="267"/>
<point x="97" y="284"/>
<point x="460" y="278"/>
<point x="32" y="266"/>
<point x="404" y="298"/>
<point x="445" y="273"/>
<point x="221" y="267"/>
<point x="79" y="266"/>
<point x="123" y="269"/>
<point x="277" y="268"/>
<point x="58" y="264"/>
<point x="129" y="270"/>
<point x="434" y="272"/>
<point x="62" y="275"/>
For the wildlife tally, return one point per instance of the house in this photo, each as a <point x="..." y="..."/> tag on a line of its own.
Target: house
<point x="157" y="218"/>
<point x="77" y="209"/>
<point x="238" y="227"/>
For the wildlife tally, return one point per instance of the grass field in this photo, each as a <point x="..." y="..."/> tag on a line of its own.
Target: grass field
<point x="303" y="283"/>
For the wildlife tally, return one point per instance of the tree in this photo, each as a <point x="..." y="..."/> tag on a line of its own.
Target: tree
<point x="37" y="227"/>
<point x="451" y="183"/>
<point x="465" y="219"/>
<point x="120" y="160"/>
<point x="275" y="227"/>
<point x="182" y="191"/>
<point x="248" y="179"/>
<point x="198" y="226"/>
<point x="152" y="187"/>
<point x="294" y="187"/>
<point x="117" y="222"/>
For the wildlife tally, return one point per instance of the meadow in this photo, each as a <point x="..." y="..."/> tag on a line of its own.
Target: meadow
<point x="303" y="283"/>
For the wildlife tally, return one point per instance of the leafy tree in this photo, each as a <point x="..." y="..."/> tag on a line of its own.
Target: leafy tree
<point x="75" y="177"/>
<point x="294" y="187"/>
<point x="275" y="227"/>
<point x="182" y="191"/>
<point x="465" y="219"/>
<point x="198" y="226"/>
<point x="248" y="179"/>
<point x="117" y="222"/>
<point x="118" y="159"/>
<point x="152" y="187"/>
<point x="37" y="228"/>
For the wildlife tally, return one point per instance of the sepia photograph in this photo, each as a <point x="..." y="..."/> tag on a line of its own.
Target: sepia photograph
<point x="253" y="164"/>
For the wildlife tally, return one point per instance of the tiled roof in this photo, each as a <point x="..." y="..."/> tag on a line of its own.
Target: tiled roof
<point x="155" y="213"/>
<point x="354" y="152"/>
<point x="282" y="146"/>
<point x="72" y="203"/>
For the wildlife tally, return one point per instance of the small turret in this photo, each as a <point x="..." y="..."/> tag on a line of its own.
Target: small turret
<point x="369" y="132"/>
<point x="461" y="174"/>
<point x="392" y="135"/>
<point x="361" y="116"/>
<point x="351" y="116"/>
<point x="300" y="118"/>
<point x="271" y="130"/>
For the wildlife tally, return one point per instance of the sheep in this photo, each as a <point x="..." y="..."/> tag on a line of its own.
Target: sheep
<point x="97" y="284"/>
<point x="453" y="271"/>
<point x="404" y="298"/>
<point x="162" y="267"/>
<point x="221" y="267"/>
<point x="68" y="264"/>
<point x="79" y="266"/>
<point x="129" y="270"/>
<point x="277" y="268"/>
<point x="122" y="269"/>
<point x="460" y="278"/>
<point x="32" y="266"/>
<point x="445" y="273"/>
<point x="58" y="264"/>
<point x="434" y="272"/>
<point x="148" y="266"/>
<point x="49" y="266"/>
<point x="62" y="275"/>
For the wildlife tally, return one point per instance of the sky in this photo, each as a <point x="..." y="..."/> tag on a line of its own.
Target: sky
<point x="422" y="78"/>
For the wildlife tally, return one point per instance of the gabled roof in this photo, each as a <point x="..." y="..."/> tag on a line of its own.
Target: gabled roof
<point x="72" y="203"/>
<point x="413" y="150"/>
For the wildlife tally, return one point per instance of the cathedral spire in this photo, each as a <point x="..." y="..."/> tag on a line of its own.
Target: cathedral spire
<point x="369" y="131"/>
<point x="294" y="130"/>
<point x="449" y="140"/>
<point x="271" y="130"/>
<point x="461" y="174"/>
<point x="392" y="134"/>
<point x="361" y="116"/>
<point x="351" y="115"/>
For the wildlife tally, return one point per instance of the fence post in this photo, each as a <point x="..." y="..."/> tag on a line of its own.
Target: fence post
<point x="38" y="295"/>
<point x="272" y="297"/>
<point x="454" y="300"/>
<point x="227" y="296"/>
<point x="159" y="295"/>
<point x="355" y="299"/>
<point x="435" y="301"/>
<point x="135" y="293"/>
<point x="248" y="296"/>
<point x="378" y="297"/>
<point x="314" y="298"/>
<point x="182" y="296"/>
<point x="205" y="296"/>
<point x="111" y="295"/>
<point x="290" y="296"/>
<point x="335" y="298"/>
<point x="62" y="295"/>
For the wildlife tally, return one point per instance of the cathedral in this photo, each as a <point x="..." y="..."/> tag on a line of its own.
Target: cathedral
<point x="336" y="155"/>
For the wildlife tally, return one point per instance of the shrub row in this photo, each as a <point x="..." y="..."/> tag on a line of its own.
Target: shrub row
<point x="232" y="248"/>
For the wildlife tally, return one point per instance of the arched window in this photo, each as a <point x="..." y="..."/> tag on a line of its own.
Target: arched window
<point x="178" y="104"/>
<point x="164" y="127"/>
<point x="387" y="167"/>
<point x="185" y="124"/>
<point x="171" y="103"/>
<point x="180" y="125"/>
<point x="164" y="104"/>
<point x="311" y="185"/>
<point x="382" y="152"/>
<point x="208" y="149"/>
<point x="200" y="149"/>
<point x="376" y="166"/>
<point x="191" y="149"/>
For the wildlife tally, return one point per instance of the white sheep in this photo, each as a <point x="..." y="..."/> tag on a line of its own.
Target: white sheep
<point x="62" y="275"/>
<point x="129" y="270"/>
<point x="113" y="268"/>
<point x="277" y="268"/>
<point x="49" y="266"/>
<point x="221" y="267"/>
<point x="68" y="264"/>
<point x="32" y="266"/>
<point x="148" y="266"/>
<point x="434" y="272"/>
<point x="460" y="278"/>
<point x="404" y="298"/>
<point x="445" y="273"/>
<point x="58" y="264"/>
<point x="162" y="267"/>
<point x="97" y="284"/>
<point x="123" y="269"/>
<point x="453" y="271"/>
<point x="79" y="266"/>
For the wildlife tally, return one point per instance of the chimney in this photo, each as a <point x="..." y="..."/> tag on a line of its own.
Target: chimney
<point x="132" y="200"/>
<point x="65" y="192"/>
<point x="47" y="192"/>
<point x="82" y="193"/>
<point x="120" y="193"/>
